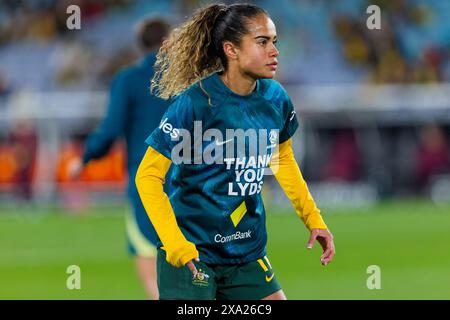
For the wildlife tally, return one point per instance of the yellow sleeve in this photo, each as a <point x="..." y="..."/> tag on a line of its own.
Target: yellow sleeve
<point x="149" y="182"/>
<point x="290" y="178"/>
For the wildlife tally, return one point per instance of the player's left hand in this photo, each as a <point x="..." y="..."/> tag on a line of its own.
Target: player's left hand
<point x="325" y="238"/>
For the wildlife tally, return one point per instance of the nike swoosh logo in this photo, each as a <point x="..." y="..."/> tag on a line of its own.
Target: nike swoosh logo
<point x="219" y="143"/>
<point x="268" y="279"/>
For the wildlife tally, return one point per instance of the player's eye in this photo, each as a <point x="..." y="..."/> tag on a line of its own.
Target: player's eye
<point x="262" y="42"/>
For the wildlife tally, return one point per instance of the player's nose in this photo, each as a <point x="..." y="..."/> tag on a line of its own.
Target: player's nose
<point x="274" y="51"/>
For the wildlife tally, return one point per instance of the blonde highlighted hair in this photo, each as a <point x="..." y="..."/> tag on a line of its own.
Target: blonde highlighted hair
<point x="194" y="49"/>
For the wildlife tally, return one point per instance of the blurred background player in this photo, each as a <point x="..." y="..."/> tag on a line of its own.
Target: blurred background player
<point x="132" y="114"/>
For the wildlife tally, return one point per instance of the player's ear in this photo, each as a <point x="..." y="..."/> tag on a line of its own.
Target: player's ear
<point x="230" y="50"/>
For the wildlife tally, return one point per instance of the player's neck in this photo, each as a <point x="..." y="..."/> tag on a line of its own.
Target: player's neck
<point x="237" y="82"/>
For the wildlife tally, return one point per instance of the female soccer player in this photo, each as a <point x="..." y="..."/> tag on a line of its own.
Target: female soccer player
<point x="218" y="67"/>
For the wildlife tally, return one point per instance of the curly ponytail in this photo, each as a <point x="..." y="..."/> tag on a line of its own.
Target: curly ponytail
<point x="194" y="50"/>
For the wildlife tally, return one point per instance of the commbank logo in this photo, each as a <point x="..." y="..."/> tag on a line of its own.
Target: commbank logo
<point x="235" y="236"/>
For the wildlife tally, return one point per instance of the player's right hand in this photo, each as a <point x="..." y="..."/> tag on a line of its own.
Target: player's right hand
<point x="192" y="267"/>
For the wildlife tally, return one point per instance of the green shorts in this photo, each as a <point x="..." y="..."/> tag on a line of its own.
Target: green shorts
<point x="249" y="281"/>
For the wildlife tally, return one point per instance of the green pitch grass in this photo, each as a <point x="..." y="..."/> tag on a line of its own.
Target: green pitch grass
<point x="409" y="241"/>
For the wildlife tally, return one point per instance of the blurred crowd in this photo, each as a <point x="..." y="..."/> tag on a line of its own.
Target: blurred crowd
<point x="412" y="46"/>
<point x="18" y="152"/>
<point x="412" y="158"/>
<point x="44" y="20"/>
<point x="321" y="42"/>
<point x="385" y="54"/>
<point x="39" y="52"/>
